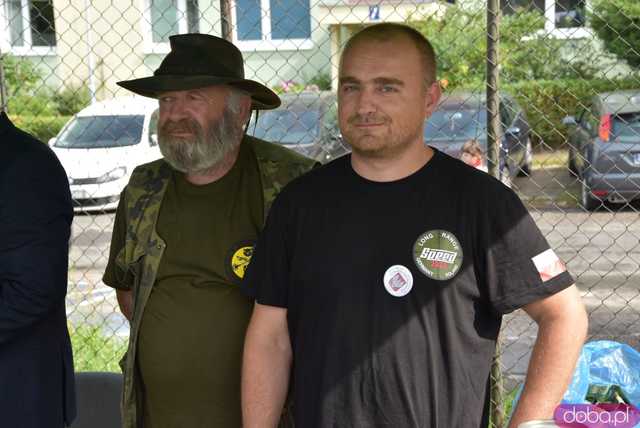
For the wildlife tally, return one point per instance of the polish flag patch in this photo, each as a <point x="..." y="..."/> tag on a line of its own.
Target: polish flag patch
<point x="548" y="265"/>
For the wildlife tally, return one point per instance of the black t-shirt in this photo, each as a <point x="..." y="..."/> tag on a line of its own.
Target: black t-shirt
<point x="394" y="291"/>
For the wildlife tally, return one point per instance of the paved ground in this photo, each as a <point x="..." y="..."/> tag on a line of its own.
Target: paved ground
<point x="601" y="249"/>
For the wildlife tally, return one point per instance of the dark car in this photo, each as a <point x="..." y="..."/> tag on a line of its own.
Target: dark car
<point x="306" y="122"/>
<point x="604" y="148"/>
<point x="461" y="117"/>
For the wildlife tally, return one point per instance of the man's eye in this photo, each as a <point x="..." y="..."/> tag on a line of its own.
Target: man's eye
<point x="388" y="88"/>
<point x="349" y="88"/>
<point x="196" y="97"/>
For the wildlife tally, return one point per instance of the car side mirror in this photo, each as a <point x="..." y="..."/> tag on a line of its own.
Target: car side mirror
<point x="569" y="121"/>
<point x="51" y="142"/>
<point x="154" y="139"/>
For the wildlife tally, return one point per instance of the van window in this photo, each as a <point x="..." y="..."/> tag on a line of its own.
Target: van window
<point x="626" y="127"/>
<point x="101" y="131"/>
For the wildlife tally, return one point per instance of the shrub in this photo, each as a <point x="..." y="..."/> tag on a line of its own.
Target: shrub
<point x="71" y="100"/>
<point x="40" y="103"/>
<point x="41" y="127"/>
<point x="21" y="75"/>
<point x="93" y="351"/>
<point x="322" y="81"/>
<point x="546" y="102"/>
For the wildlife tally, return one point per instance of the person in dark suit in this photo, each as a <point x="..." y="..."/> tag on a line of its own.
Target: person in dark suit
<point x="36" y="364"/>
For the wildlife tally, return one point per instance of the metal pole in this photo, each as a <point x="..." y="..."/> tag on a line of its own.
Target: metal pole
<point x="493" y="157"/>
<point x="493" y="101"/>
<point x="89" y="42"/>
<point x="225" y="19"/>
<point x="3" y="86"/>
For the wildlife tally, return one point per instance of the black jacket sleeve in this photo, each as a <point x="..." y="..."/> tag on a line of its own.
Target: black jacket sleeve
<point x="35" y="221"/>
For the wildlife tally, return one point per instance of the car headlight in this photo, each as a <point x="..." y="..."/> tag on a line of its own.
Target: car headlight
<point x="112" y="175"/>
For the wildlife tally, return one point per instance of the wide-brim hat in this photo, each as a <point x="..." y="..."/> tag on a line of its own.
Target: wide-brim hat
<point x="197" y="61"/>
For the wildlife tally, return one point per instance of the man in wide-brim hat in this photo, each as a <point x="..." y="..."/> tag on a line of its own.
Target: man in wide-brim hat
<point x="184" y="234"/>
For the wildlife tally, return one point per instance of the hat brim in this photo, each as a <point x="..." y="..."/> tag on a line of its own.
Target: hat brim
<point x="262" y="97"/>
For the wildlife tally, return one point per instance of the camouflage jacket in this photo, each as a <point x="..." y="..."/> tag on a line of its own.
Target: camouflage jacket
<point x="140" y="257"/>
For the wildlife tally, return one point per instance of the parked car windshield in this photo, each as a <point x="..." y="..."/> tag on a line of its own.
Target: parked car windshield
<point x="626" y="127"/>
<point x="101" y="131"/>
<point x="287" y="126"/>
<point x="456" y="124"/>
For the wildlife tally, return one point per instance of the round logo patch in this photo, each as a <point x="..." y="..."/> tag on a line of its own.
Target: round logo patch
<point x="398" y="280"/>
<point x="438" y="254"/>
<point x="240" y="260"/>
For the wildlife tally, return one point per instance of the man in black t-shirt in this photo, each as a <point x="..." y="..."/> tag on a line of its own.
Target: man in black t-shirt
<point x="381" y="278"/>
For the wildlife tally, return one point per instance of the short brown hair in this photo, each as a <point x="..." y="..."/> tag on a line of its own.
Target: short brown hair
<point x="473" y="148"/>
<point x="387" y="30"/>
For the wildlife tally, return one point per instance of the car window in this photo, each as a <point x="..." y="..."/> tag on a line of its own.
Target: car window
<point x="456" y="124"/>
<point x="507" y="113"/>
<point x="101" y="131"/>
<point x="295" y="126"/>
<point x="626" y="127"/>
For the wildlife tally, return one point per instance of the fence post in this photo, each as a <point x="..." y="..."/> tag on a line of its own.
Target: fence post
<point x="493" y="101"/>
<point x="493" y="160"/>
<point x="3" y="86"/>
<point x="225" y="19"/>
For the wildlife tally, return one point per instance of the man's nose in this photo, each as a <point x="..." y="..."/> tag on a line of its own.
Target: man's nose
<point x="176" y="109"/>
<point x="367" y="102"/>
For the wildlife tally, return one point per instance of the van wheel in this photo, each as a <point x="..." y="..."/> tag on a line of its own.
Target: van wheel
<point x="526" y="167"/>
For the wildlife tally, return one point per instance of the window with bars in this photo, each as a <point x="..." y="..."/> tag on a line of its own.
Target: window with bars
<point x="168" y="17"/>
<point x="272" y="23"/>
<point x="30" y="23"/>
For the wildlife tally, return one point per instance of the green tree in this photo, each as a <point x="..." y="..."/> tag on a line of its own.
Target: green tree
<point x="526" y="52"/>
<point x="21" y="75"/>
<point x="617" y="24"/>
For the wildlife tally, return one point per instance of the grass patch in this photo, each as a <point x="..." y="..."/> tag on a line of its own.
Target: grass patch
<point x="93" y="351"/>
<point x="551" y="159"/>
<point x="508" y="402"/>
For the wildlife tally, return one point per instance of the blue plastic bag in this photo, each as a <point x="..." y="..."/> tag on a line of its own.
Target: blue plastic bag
<point x="608" y="363"/>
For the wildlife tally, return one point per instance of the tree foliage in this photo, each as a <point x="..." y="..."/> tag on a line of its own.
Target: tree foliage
<point x="617" y="24"/>
<point x="526" y="52"/>
<point x="21" y="75"/>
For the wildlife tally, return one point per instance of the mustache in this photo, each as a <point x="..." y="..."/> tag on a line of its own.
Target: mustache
<point x="364" y="119"/>
<point x="182" y="125"/>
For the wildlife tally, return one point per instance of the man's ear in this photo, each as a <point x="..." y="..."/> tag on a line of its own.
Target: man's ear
<point x="432" y="98"/>
<point x="245" y="109"/>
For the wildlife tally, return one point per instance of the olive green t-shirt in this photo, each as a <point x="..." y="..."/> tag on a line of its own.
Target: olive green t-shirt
<point x="192" y="331"/>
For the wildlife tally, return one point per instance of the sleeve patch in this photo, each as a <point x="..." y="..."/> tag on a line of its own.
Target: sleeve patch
<point x="548" y="265"/>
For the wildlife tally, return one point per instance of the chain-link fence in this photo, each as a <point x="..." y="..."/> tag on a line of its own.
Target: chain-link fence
<point x="568" y="85"/>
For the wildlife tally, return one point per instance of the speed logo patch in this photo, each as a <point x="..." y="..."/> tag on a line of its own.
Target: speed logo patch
<point x="240" y="259"/>
<point x="398" y="281"/>
<point x="438" y="254"/>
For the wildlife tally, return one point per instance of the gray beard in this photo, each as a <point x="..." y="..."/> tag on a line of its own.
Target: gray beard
<point x="205" y="150"/>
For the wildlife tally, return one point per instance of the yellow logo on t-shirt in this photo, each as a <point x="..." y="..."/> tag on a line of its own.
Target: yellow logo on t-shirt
<point x="240" y="260"/>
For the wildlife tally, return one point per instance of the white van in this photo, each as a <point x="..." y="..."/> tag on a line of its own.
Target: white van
<point x="102" y="144"/>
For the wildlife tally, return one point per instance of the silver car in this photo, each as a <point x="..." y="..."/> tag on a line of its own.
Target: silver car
<point x="306" y="122"/>
<point x="604" y="148"/>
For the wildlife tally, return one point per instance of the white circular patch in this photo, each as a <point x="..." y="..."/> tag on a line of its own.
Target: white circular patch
<point x="398" y="280"/>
